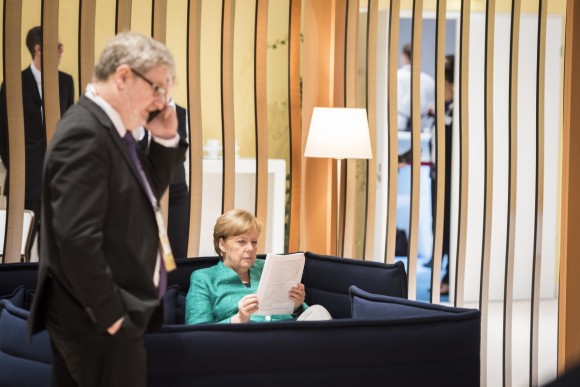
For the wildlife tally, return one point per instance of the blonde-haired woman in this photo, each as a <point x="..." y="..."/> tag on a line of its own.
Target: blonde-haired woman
<point x="226" y="292"/>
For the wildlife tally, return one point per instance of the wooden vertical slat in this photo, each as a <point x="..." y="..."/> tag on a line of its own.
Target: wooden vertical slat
<point x="371" y="101"/>
<point x="415" y="148"/>
<point x="317" y="210"/>
<point x="488" y="191"/>
<point x="463" y="152"/>
<point x="12" y="82"/>
<point x="294" y="98"/>
<point x="261" y="114"/>
<point x="159" y="33"/>
<point x="123" y="16"/>
<point x="351" y="78"/>
<point x="537" y="263"/>
<point x="393" y="139"/>
<point x="159" y="20"/>
<point x="569" y="271"/>
<point x="227" y="89"/>
<point x="50" y="88"/>
<point x="86" y="43"/>
<point x="440" y="150"/>
<point x="195" y="125"/>
<point x="512" y="192"/>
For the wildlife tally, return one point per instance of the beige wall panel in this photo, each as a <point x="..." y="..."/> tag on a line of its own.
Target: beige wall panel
<point x="195" y="125"/>
<point x="12" y="75"/>
<point x="261" y="109"/>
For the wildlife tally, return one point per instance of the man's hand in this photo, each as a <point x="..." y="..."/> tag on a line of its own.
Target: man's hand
<point x="116" y="326"/>
<point x="164" y="125"/>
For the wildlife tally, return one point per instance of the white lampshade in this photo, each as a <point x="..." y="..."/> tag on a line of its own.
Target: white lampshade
<point x="339" y="133"/>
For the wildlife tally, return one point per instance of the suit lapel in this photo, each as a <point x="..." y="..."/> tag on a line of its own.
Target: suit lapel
<point x="107" y="124"/>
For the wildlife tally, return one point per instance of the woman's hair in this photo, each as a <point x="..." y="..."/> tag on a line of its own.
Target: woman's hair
<point x="233" y="223"/>
<point x="139" y="52"/>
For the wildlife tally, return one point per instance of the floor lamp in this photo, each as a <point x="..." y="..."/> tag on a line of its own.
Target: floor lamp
<point x="338" y="133"/>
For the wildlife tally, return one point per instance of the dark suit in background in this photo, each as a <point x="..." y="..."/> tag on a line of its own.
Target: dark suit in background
<point x="34" y="134"/>
<point x="178" y="211"/>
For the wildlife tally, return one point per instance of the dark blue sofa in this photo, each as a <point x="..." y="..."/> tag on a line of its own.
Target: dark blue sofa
<point x="432" y="345"/>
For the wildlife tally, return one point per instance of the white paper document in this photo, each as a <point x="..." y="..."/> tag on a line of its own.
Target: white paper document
<point x="281" y="273"/>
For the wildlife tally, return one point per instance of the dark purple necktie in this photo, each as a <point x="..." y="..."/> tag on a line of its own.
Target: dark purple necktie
<point x="131" y="144"/>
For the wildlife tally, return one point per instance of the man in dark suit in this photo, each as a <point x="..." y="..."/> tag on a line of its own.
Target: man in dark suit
<point x="34" y="129"/>
<point x="101" y="273"/>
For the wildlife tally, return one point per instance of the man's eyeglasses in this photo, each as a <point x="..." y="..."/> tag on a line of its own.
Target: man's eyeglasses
<point x="158" y="91"/>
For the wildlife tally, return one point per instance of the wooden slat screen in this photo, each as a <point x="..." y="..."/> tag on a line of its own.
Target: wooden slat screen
<point x="371" y="105"/>
<point x="86" y="50"/>
<point x="261" y="114"/>
<point x="539" y="210"/>
<point x="337" y="62"/>
<point x="416" y="42"/>
<point x="350" y="75"/>
<point x="512" y="195"/>
<point x="12" y="44"/>
<point x="440" y="151"/>
<point x="50" y="88"/>
<point x="195" y="126"/>
<point x="295" y="124"/>
<point x="392" y="127"/>
<point x="488" y="201"/>
<point x="227" y="89"/>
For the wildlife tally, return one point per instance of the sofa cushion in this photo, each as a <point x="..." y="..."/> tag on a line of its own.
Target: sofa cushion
<point x="17" y="297"/>
<point x="173" y="306"/>
<point x="24" y="361"/>
<point x="327" y="280"/>
<point x="365" y="305"/>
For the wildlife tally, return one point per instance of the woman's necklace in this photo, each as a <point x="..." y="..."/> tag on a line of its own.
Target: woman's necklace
<point x="245" y="278"/>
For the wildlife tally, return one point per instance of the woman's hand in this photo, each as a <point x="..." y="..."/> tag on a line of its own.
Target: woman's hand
<point x="247" y="306"/>
<point x="298" y="295"/>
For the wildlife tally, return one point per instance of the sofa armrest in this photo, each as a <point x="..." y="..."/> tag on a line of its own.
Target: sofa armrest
<point x="367" y="305"/>
<point x="327" y="280"/>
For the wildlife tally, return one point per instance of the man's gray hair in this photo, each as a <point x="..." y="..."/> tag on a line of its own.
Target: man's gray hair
<point x="139" y="52"/>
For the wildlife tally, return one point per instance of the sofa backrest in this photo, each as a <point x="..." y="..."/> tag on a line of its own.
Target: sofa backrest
<point x="24" y="361"/>
<point x="327" y="280"/>
<point x="12" y="275"/>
